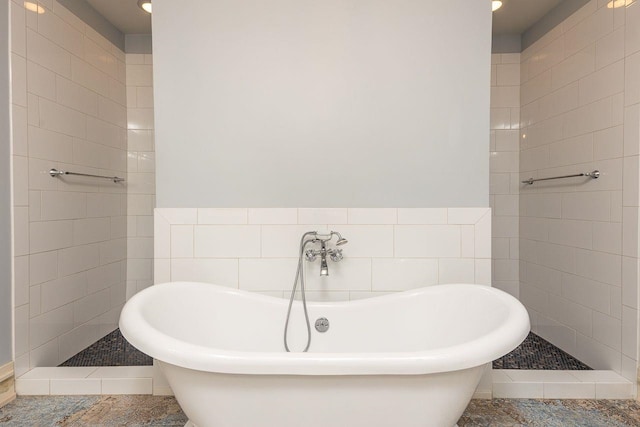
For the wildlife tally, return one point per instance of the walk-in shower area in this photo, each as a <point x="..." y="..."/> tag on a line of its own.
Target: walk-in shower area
<point x="83" y="164"/>
<point x="564" y="189"/>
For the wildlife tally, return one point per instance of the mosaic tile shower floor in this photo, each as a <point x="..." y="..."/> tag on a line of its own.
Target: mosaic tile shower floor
<point x="157" y="411"/>
<point x="533" y="353"/>
<point x="111" y="350"/>
<point x="537" y="353"/>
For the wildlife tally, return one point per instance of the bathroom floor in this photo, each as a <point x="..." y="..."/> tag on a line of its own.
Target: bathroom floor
<point x="533" y="353"/>
<point x="112" y="411"/>
<point x="111" y="350"/>
<point x="103" y="411"/>
<point x="551" y="413"/>
<point x="537" y="353"/>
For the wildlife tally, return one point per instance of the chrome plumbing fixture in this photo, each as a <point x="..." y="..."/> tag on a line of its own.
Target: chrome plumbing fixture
<point x="56" y="173"/>
<point x="593" y="175"/>
<point x="322" y="324"/>
<point x="334" y="254"/>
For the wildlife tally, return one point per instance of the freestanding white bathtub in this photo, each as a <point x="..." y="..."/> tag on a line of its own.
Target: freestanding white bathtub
<point x="407" y="359"/>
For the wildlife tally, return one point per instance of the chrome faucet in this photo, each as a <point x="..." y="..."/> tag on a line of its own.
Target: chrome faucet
<point x="334" y="254"/>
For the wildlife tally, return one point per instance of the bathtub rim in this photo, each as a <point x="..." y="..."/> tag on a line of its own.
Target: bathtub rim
<point x="466" y="355"/>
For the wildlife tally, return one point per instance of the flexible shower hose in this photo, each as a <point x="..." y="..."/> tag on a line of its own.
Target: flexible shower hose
<point x="299" y="276"/>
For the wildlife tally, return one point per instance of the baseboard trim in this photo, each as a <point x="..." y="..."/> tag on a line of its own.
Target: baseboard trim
<point x="7" y="384"/>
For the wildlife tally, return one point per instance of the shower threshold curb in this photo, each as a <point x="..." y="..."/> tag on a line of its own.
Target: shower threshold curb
<point x="560" y="384"/>
<point x="92" y="380"/>
<point x="506" y="383"/>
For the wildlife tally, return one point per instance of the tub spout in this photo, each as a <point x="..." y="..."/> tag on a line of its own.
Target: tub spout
<point x="324" y="268"/>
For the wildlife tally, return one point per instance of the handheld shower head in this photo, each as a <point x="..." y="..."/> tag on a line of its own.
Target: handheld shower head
<point x="341" y="240"/>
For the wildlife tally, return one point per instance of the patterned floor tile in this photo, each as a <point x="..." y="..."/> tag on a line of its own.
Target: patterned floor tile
<point x="551" y="413"/>
<point x="162" y="411"/>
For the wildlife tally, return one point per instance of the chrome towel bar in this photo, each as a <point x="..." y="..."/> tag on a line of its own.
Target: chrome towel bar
<point x="593" y="175"/>
<point x="56" y="173"/>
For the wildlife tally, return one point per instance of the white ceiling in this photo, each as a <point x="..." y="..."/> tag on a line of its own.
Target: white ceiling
<point x="514" y="17"/>
<point x="125" y="15"/>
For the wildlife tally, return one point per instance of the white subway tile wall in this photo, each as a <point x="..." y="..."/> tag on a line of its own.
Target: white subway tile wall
<point x="503" y="169"/>
<point x="141" y="171"/>
<point x="579" y="239"/>
<point x="69" y="112"/>
<point x="256" y="249"/>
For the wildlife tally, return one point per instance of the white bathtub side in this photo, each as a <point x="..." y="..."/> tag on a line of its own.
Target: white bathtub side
<point x="222" y="400"/>
<point x="434" y="329"/>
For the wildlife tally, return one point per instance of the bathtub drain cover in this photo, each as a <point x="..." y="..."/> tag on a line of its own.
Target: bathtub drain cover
<point x="322" y="324"/>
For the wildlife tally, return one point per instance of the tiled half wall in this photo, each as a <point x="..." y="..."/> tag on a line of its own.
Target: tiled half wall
<point x="140" y="172"/>
<point x="389" y="250"/>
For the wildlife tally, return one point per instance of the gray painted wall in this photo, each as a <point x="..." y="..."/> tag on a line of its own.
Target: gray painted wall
<point x="336" y="103"/>
<point x="558" y="14"/>
<point x="138" y="43"/>
<point x="6" y="298"/>
<point x="516" y="43"/>
<point x="506" y="43"/>
<point x="95" y="20"/>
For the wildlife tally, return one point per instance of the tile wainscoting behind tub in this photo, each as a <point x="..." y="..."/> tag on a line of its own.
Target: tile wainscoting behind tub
<point x="389" y="250"/>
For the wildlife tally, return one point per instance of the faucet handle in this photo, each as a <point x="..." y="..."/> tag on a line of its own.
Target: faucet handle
<point x="311" y="255"/>
<point x="336" y="255"/>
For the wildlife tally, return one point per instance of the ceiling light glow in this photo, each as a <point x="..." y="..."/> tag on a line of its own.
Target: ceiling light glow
<point x="145" y="5"/>
<point x="497" y="4"/>
<point x="614" y="4"/>
<point x="33" y="7"/>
